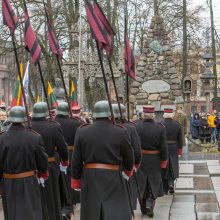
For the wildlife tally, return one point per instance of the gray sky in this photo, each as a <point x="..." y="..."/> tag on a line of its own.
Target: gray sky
<point x="206" y="14"/>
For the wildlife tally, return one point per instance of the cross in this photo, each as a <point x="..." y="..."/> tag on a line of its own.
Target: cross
<point x="157" y="63"/>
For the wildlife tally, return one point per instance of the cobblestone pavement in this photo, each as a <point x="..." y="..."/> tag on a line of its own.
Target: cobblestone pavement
<point x="197" y="195"/>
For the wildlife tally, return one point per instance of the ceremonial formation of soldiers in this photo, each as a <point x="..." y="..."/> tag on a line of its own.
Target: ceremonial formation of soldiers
<point x="108" y="166"/>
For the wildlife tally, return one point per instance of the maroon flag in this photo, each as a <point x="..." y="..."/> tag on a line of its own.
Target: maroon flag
<point x="9" y="17"/>
<point x="30" y="40"/>
<point x="129" y="59"/>
<point x="54" y="45"/>
<point x="94" y="23"/>
<point x="107" y="30"/>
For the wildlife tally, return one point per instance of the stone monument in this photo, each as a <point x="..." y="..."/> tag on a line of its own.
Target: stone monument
<point x="58" y="91"/>
<point x="157" y="82"/>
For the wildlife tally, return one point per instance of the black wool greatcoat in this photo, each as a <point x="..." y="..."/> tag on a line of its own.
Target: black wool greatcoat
<point x="53" y="140"/>
<point x="153" y="137"/>
<point x="103" y="192"/>
<point x="175" y="145"/>
<point x="69" y="127"/>
<point x="22" y="150"/>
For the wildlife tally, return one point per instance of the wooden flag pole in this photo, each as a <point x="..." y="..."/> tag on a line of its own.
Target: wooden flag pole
<point x="44" y="88"/>
<point x="60" y="69"/>
<point x="105" y="82"/>
<point x="20" y="79"/>
<point x="64" y="86"/>
<point x="115" y="88"/>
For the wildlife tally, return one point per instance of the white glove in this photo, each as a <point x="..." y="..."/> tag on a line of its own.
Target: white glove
<point x="41" y="181"/>
<point x="63" y="169"/>
<point x="125" y="176"/>
<point x="78" y="190"/>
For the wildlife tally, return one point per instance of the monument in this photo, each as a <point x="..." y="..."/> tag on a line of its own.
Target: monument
<point x="58" y="91"/>
<point x="157" y="82"/>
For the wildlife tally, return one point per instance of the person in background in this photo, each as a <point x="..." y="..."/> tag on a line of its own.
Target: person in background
<point x="204" y="130"/>
<point x="195" y="122"/>
<point x="212" y="125"/>
<point x="217" y="121"/>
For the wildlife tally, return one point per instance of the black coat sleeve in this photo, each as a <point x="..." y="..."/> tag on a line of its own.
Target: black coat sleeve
<point x="180" y="138"/>
<point x="164" y="150"/>
<point x="77" y="161"/>
<point x="61" y="145"/>
<point x="127" y="151"/>
<point x="41" y="157"/>
<point x="136" y="144"/>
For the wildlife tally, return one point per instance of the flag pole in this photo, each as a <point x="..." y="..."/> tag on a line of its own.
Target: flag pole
<point x="21" y="80"/>
<point x="127" y="80"/>
<point x="105" y="81"/>
<point x="41" y="74"/>
<point x="115" y="88"/>
<point x="60" y="69"/>
<point x="44" y="87"/>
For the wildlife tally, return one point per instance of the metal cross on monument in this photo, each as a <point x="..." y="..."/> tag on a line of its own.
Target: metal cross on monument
<point x="157" y="64"/>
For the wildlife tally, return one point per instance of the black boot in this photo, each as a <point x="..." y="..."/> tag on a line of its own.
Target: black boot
<point x="143" y="207"/>
<point x="150" y="207"/>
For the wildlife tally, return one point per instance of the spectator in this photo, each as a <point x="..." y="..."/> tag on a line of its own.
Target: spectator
<point x="212" y="125"/>
<point x="217" y="126"/>
<point x="195" y="122"/>
<point x="204" y="130"/>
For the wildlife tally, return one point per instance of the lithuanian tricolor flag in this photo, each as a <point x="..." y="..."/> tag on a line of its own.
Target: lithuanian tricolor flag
<point x="17" y="95"/>
<point x="73" y="100"/>
<point x="51" y="97"/>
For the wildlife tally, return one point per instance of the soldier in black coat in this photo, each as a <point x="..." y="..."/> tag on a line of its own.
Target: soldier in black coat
<point x="69" y="126"/>
<point x="53" y="139"/>
<point x="101" y="150"/>
<point x="21" y="155"/>
<point x="135" y="143"/>
<point x="175" y="145"/>
<point x="154" y="151"/>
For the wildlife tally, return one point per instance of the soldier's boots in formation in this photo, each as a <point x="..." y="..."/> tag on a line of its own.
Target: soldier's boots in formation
<point x="147" y="207"/>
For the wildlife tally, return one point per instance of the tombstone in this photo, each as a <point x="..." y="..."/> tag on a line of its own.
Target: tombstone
<point x="58" y="91"/>
<point x="157" y="82"/>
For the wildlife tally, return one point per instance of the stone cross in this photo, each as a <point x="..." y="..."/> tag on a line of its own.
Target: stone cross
<point x="157" y="63"/>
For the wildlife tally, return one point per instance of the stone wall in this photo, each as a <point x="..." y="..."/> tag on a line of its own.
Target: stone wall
<point x="153" y="68"/>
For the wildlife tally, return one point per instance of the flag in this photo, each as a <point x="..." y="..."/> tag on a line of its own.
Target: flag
<point x="30" y="40"/>
<point x="26" y="80"/>
<point x="51" y="97"/>
<point x="17" y="95"/>
<point x="54" y="45"/>
<point x="38" y="99"/>
<point x="73" y="100"/>
<point x="129" y="59"/>
<point x="94" y="23"/>
<point x="107" y="30"/>
<point x="9" y="17"/>
<point x="1" y="99"/>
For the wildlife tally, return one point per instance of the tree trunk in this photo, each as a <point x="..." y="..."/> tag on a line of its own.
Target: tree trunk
<point x="216" y="105"/>
<point x="185" y="65"/>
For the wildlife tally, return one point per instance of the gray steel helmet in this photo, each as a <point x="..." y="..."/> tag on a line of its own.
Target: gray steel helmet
<point x="101" y="110"/>
<point x="62" y="109"/>
<point x="116" y="111"/>
<point x="17" y="115"/>
<point x="40" y="110"/>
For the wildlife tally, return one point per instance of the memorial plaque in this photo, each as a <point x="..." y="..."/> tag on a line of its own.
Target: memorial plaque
<point x="156" y="86"/>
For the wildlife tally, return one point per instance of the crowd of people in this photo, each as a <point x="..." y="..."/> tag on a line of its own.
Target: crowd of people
<point x="205" y="127"/>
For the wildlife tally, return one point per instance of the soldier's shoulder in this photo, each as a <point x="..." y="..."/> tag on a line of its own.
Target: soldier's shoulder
<point x="161" y="124"/>
<point x="33" y="132"/>
<point x="85" y="125"/>
<point x="119" y="126"/>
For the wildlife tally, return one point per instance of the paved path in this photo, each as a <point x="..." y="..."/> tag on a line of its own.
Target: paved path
<point x="197" y="194"/>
